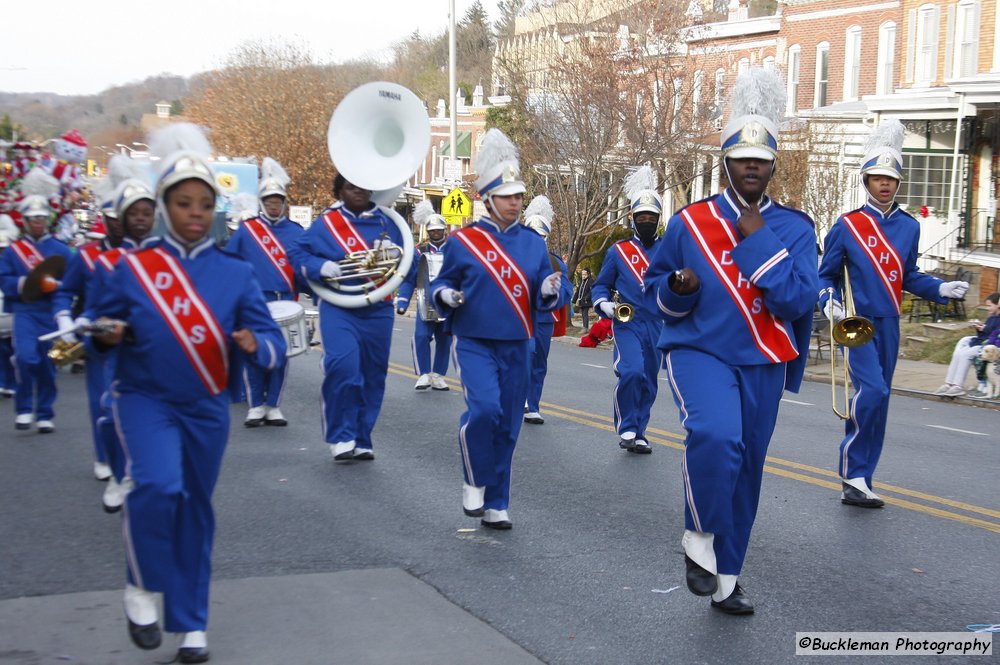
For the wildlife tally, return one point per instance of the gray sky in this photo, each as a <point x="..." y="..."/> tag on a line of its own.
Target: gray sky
<point x="84" y="48"/>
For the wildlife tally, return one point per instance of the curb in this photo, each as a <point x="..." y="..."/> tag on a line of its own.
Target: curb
<point x="918" y="394"/>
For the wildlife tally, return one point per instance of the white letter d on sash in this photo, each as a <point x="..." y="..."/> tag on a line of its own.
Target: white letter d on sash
<point x="163" y="280"/>
<point x="491" y="256"/>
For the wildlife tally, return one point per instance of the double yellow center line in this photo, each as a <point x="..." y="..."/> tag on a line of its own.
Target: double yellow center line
<point x="894" y="495"/>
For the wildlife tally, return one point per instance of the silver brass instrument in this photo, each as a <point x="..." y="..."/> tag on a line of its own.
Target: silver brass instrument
<point x="851" y="331"/>
<point x="378" y="137"/>
<point x="427" y="270"/>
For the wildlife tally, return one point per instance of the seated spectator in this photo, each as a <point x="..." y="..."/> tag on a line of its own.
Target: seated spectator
<point x="599" y="332"/>
<point x="967" y="350"/>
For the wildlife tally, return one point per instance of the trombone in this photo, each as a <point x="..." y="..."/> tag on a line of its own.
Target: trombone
<point x="851" y="331"/>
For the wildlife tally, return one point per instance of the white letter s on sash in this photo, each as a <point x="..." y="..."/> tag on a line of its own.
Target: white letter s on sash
<point x="197" y="334"/>
<point x="758" y="306"/>
<point x="518" y="290"/>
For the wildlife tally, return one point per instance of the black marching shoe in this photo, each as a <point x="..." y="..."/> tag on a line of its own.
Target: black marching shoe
<point x="192" y="655"/>
<point x="700" y="582"/>
<point x="641" y="447"/>
<point x="146" y="637"/>
<point x="852" y="496"/>
<point x="364" y="454"/>
<point x="738" y="603"/>
<point x="496" y="519"/>
<point x="627" y="444"/>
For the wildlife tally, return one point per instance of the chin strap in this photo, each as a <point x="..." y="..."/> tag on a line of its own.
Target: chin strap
<point x="496" y="214"/>
<point x="739" y="197"/>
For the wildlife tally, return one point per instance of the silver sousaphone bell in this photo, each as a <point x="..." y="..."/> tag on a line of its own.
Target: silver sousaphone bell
<point x="378" y="137"/>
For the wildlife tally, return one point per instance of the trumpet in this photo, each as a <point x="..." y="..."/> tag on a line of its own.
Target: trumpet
<point x="624" y="312"/>
<point x="65" y="353"/>
<point x="849" y="332"/>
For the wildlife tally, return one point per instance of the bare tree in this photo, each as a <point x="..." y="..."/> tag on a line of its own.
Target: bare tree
<point x="271" y="99"/>
<point x="592" y="96"/>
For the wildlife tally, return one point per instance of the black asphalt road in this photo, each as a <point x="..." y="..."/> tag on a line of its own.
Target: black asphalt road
<point x="592" y="571"/>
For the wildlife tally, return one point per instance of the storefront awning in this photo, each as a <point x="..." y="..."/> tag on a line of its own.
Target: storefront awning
<point x="463" y="145"/>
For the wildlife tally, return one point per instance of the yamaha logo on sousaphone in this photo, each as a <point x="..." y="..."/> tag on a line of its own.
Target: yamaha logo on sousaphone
<point x="378" y="137"/>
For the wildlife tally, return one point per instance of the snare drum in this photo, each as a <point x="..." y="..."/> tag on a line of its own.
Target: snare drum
<point x="6" y="320"/>
<point x="292" y="319"/>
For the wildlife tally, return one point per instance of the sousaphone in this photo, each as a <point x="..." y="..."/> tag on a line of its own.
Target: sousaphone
<point x="378" y="137"/>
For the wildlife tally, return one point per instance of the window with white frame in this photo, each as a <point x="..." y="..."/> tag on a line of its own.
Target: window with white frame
<point x="925" y="66"/>
<point x="928" y="180"/>
<point x="794" y="62"/>
<point x="852" y="63"/>
<point x="769" y="63"/>
<point x="886" y="67"/>
<point x="699" y="83"/>
<point x="822" y="73"/>
<point x="966" y="38"/>
<point x="675" y="114"/>
<point x="657" y="86"/>
<point x="718" y="103"/>
<point x="743" y="66"/>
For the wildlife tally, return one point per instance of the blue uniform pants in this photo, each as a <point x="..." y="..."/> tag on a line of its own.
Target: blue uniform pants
<point x="423" y="332"/>
<point x="35" y="370"/>
<point x="495" y="385"/>
<point x="636" y="362"/>
<point x="174" y="455"/>
<point x="96" y="385"/>
<point x="870" y="367"/>
<point x="540" y="345"/>
<point x="263" y="386"/>
<point x="729" y="414"/>
<point x="355" y="362"/>
<point x="8" y="380"/>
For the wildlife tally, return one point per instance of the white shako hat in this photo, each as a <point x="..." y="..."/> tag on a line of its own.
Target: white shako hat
<point x="756" y="108"/>
<point x="640" y="187"/>
<point x="884" y="150"/>
<point x="538" y="215"/>
<point x="498" y="166"/>
<point x="424" y="215"/>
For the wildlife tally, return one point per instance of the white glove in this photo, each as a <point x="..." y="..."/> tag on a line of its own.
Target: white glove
<point x="451" y="297"/>
<point x="956" y="290"/>
<point x="834" y="310"/>
<point x="608" y="308"/>
<point x="66" y="326"/>
<point x="383" y="243"/>
<point x="330" y="270"/>
<point x="550" y="286"/>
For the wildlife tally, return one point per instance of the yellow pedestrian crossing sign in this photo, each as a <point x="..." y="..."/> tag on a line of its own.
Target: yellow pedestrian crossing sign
<point x="456" y="207"/>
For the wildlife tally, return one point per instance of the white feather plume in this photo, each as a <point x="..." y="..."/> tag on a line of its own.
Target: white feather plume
<point x="540" y="206"/>
<point x="889" y="134"/>
<point x="103" y="189"/>
<point x="759" y="91"/>
<point x="178" y="137"/>
<point x="495" y="149"/>
<point x="38" y="182"/>
<point x="640" y="179"/>
<point x="270" y="169"/>
<point x="122" y="168"/>
<point x="422" y="212"/>
<point x="243" y="206"/>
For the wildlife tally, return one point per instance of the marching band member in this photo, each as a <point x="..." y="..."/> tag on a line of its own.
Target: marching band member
<point x="429" y="376"/>
<point x="71" y="296"/>
<point x="35" y="371"/>
<point x="355" y="341"/>
<point x="736" y="266"/>
<point x="878" y="243"/>
<point x="263" y="243"/>
<point x="8" y="379"/>
<point x="538" y="217"/>
<point x="636" y="358"/>
<point x="495" y="274"/>
<point x="132" y="210"/>
<point x="186" y="304"/>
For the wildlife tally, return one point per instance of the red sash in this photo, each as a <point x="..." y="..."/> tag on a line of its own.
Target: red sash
<point x="186" y="314"/>
<point x="28" y="253"/>
<point x="89" y="254"/>
<point x="273" y="249"/>
<point x="110" y="258"/>
<point x="348" y="237"/>
<point x="635" y="258"/>
<point x="880" y="252"/>
<point x="504" y="271"/>
<point x="716" y="239"/>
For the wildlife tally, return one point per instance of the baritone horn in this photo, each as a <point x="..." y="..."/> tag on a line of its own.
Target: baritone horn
<point x="378" y="137"/>
<point x="849" y="332"/>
